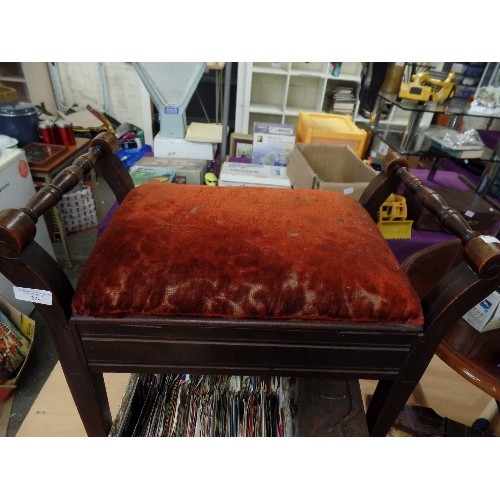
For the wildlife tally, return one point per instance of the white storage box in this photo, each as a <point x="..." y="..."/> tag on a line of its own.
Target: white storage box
<point x="249" y="174"/>
<point x="173" y="147"/>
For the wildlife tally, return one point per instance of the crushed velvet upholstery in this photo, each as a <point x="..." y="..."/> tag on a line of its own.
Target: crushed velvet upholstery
<point x="244" y="252"/>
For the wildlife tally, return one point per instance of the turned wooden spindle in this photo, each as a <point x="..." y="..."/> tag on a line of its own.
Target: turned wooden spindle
<point x="481" y="252"/>
<point x="18" y="226"/>
<point x="48" y="196"/>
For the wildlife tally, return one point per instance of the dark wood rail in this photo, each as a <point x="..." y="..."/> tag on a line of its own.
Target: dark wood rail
<point x="481" y="252"/>
<point x="18" y="225"/>
<point x="449" y="218"/>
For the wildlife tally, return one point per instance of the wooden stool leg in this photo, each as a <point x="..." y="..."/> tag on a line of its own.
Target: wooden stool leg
<point x="89" y="393"/>
<point x="88" y="389"/>
<point x="386" y="404"/>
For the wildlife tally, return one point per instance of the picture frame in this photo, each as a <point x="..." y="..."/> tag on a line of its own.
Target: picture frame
<point x="240" y="145"/>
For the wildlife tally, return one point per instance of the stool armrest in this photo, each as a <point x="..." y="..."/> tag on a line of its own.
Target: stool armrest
<point x="481" y="253"/>
<point x="449" y="218"/>
<point x="18" y="226"/>
<point x="111" y="167"/>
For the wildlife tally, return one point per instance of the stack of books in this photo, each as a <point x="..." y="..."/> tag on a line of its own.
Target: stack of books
<point x="340" y="100"/>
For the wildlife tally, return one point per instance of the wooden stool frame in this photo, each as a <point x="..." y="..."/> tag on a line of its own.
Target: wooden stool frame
<point x="88" y="347"/>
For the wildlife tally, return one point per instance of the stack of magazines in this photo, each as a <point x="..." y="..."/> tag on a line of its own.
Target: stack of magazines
<point x="340" y="100"/>
<point x="205" y="406"/>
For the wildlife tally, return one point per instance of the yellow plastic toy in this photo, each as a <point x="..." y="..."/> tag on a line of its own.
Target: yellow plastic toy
<point x="392" y="219"/>
<point x="424" y="87"/>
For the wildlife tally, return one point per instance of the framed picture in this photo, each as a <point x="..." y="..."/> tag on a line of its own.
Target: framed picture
<point x="240" y="145"/>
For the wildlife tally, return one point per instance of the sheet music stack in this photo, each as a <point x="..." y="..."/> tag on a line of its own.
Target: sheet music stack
<point x="205" y="406"/>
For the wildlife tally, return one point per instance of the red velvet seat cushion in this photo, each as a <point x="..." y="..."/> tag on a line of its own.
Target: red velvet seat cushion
<point x="244" y="252"/>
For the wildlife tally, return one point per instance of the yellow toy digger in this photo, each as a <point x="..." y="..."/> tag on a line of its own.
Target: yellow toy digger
<point x="424" y="87"/>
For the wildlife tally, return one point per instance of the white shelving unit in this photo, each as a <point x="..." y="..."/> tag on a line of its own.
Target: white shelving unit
<point x="277" y="91"/>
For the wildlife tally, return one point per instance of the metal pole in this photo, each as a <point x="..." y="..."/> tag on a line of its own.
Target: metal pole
<point x="225" y="117"/>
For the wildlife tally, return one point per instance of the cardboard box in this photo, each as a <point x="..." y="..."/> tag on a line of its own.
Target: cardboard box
<point x="272" y="143"/>
<point x="485" y="316"/>
<point x="26" y="326"/>
<point x="173" y="147"/>
<point x="333" y="168"/>
<point x="187" y="171"/>
<point x="248" y="174"/>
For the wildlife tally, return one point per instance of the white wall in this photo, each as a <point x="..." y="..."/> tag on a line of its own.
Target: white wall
<point x="128" y="99"/>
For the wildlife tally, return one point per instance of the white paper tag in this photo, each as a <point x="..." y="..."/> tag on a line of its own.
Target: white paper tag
<point x="484" y="316"/>
<point x="469" y="214"/>
<point x="348" y="190"/>
<point x="489" y="239"/>
<point x="33" y="295"/>
<point x="383" y="149"/>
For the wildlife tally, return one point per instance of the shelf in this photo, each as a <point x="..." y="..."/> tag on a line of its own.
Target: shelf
<point x="307" y="74"/>
<point x="412" y="140"/>
<point x="267" y="90"/>
<point x="10" y="70"/>
<point x="396" y="123"/>
<point x="266" y="108"/>
<point x="345" y="78"/>
<point x="280" y="90"/>
<point x="455" y="107"/>
<point x="15" y="79"/>
<point x="310" y="67"/>
<point x="290" y="111"/>
<point x="271" y="71"/>
<point x="271" y="65"/>
<point x="421" y="145"/>
<point x="305" y="93"/>
<point x="31" y="81"/>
